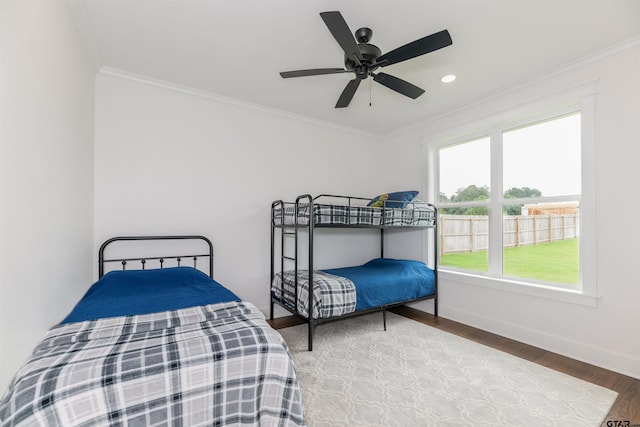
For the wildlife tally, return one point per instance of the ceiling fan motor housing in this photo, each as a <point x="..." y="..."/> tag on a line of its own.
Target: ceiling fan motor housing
<point x="369" y="54"/>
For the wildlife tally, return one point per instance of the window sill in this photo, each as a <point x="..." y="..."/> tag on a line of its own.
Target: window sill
<point x="519" y="287"/>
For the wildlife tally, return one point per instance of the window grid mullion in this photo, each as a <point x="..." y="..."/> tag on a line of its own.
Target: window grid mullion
<point x="495" y="204"/>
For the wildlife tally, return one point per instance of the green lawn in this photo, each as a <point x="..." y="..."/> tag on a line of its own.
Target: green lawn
<point x="552" y="262"/>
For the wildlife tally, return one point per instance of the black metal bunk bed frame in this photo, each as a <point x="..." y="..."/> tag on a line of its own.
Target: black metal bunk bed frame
<point x="292" y="230"/>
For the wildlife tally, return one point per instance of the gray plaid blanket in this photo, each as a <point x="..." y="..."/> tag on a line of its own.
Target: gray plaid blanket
<point x="218" y="364"/>
<point x="332" y="295"/>
<point x="418" y="214"/>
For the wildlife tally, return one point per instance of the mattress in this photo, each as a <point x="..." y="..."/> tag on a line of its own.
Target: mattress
<point x="217" y="364"/>
<point x="338" y="291"/>
<point x="384" y="281"/>
<point x="332" y="295"/>
<point x="415" y="214"/>
<point x="125" y="293"/>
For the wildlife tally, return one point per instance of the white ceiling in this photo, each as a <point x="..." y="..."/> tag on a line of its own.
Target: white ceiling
<point x="236" y="48"/>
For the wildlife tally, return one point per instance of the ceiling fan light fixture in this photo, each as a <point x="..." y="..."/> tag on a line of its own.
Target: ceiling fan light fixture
<point x="448" y="78"/>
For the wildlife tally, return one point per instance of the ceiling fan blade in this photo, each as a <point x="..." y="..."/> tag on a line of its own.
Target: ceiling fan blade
<point x="416" y="48"/>
<point x="312" y="72"/>
<point x="347" y="93"/>
<point x="343" y="35"/>
<point x="399" y="85"/>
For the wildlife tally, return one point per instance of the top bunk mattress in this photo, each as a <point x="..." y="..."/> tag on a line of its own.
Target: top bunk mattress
<point x="414" y="214"/>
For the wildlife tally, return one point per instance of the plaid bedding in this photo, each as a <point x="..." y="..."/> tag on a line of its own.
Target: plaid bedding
<point x="417" y="214"/>
<point x="332" y="295"/>
<point x="218" y="364"/>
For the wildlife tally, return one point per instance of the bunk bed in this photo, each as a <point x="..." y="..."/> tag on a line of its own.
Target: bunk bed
<point x="157" y="346"/>
<point x="336" y="293"/>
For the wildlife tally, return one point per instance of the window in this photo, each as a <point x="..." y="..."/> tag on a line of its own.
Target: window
<point x="465" y="174"/>
<point x="541" y="170"/>
<point x="516" y="202"/>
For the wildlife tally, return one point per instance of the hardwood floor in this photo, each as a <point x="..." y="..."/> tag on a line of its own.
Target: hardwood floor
<point x="625" y="412"/>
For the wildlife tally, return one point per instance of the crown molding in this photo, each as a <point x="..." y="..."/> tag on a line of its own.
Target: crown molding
<point x="115" y="72"/>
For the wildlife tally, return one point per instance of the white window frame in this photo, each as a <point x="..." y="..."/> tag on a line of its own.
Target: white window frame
<point x="580" y="99"/>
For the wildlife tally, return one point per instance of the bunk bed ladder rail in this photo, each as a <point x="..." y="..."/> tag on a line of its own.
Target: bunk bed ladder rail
<point x="307" y="200"/>
<point x="292" y="231"/>
<point x="277" y="206"/>
<point x="436" y="251"/>
<point x="285" y="232"/>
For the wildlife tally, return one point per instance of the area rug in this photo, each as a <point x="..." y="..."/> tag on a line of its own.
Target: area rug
<point x="416" y="375"/>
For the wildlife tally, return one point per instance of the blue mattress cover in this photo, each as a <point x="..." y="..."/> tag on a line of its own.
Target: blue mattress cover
<point x="383" y="281"/>
<point x="130" y="292"/>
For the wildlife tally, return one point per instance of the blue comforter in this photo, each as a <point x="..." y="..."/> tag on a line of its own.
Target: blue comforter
<point x="126" y="293"/>
<point x="383" y="281"/>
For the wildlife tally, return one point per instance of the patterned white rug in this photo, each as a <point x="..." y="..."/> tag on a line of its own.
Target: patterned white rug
<point x="416" y="375"/>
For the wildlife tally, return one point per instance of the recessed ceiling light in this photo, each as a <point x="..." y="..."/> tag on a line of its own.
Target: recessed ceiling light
<point x="448" y="78"/>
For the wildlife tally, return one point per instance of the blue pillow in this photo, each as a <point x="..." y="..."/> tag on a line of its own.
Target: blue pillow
<point x="399" y="199"/>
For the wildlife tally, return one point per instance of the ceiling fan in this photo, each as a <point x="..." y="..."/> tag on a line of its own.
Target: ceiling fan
<point x="363" y="59"/>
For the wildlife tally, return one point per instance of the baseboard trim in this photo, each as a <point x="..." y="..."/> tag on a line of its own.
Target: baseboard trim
<point x="598" y="356"/>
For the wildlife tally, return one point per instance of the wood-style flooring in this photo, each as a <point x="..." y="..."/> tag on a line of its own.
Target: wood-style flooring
<point x="625" y="412"/>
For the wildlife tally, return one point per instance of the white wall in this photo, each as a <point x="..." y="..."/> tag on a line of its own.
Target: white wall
<point x="46" y="173"/>
<point x="608" y="334"/>
<point x="170" y="161"/>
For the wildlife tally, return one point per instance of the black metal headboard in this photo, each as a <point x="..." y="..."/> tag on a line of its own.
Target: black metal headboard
<point x="189" y="257"/>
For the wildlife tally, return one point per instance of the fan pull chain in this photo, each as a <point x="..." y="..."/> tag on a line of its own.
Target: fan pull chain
<point x="369" y="92"/>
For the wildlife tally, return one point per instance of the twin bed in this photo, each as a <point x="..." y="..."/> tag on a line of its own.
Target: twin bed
<point x="157" y="346"/>
<point x="376" y="285"/>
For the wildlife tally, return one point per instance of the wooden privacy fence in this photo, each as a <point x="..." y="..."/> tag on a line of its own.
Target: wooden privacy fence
<point x="469" y="233"/>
